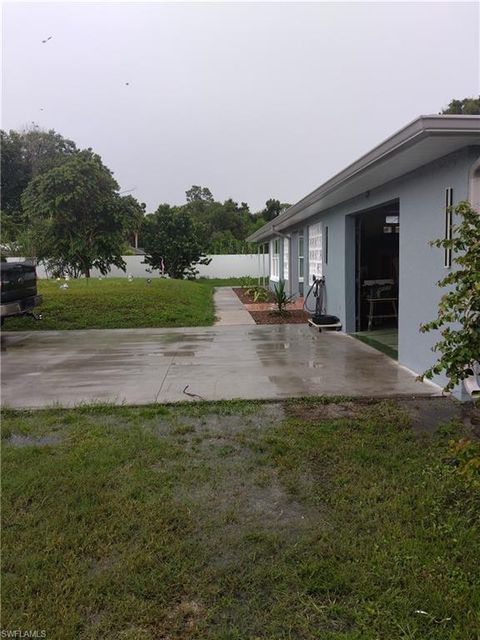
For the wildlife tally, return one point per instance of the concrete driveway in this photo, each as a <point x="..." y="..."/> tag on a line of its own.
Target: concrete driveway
<point x="138" y="366"/>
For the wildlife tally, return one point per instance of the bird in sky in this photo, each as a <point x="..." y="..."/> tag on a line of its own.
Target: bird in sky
<point x="47" y="39"/>
<point x="127" y="83"/>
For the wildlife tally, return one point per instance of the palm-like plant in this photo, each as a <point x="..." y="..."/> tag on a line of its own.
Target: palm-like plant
<point x="281" y="297"/>
<point x="257" y="293"/>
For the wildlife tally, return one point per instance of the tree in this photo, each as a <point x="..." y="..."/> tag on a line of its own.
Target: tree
<point x="458" y="316"/>
<point x="225" y="242"/>
<point x="198" y="194"/>
<point x="273" y="208"/>
<point x="15" y="172"/>
<point x="227" y="217"/>
<point x="173" y="242"/>
<point x="467" y="106"/>
<point x="133" y="214"/>
<point x="44" y="150"/>
<point x="225" y="225"/>
<point x="25" y="155"/>
<point x="199" y="201"/>
<point x="76" y="216"/>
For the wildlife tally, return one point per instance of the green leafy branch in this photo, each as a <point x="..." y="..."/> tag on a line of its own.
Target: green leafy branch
<point x="458" y="318"/>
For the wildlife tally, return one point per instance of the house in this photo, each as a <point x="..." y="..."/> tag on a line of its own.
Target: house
<point x="367" y="231"/>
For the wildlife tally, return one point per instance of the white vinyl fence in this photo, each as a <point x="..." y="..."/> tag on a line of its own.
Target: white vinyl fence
<point x="221" y="266"/>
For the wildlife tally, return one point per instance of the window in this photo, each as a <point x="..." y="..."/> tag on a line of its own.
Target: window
<point x="286" y="257"/>
<point x="275" y="260"/>
<point x="301" y="262"/>
<point x="326" y="245"/>
<point x="448" y="225"/>
<point x="475" y="186"/>
<point x="315" y="251"/>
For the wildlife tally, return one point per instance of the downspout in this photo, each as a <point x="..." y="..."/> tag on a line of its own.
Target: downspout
<point x="471" y="386"/>
<point x="280" y="234"/>
<point x="258" y="263"/>
<point x="264" y="270"/>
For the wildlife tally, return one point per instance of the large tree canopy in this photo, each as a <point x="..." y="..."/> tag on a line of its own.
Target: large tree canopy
<point x="174" y="242"/>
<point x="227" y="224"/>
<point x="36" y="213"/>
<point x="25" y="155"/>
<point x="466" y="107"/>
<point x="76" y="214"/>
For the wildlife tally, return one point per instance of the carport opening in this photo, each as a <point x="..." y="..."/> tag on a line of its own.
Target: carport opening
<point x="377" y="263"/>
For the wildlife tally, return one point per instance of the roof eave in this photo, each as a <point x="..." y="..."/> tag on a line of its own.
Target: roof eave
<point x="414" y="131"/>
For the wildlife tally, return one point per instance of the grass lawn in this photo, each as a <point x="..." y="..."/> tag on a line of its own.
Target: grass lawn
<point x="239" y="520"/>
<point x="384" y="340"/>
<point x="116" y="303"/>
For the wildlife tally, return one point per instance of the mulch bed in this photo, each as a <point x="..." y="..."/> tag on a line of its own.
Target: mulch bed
<point x="263" y="316"/>
<point x="295" y="316"/>
<point x="246" y="299"/>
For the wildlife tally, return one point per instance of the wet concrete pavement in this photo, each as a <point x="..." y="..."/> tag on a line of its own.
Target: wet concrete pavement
<point x="138" y="366"/>
<point x="229" y="308"/>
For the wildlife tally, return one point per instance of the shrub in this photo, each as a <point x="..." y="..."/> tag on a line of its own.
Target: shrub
<point x="247" y="281"/>
<point x="258" y="293"/>
<point x="281" y="298"/>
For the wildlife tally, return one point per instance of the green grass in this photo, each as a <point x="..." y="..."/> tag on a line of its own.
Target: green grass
<point x="236" y="520"/>
<point x="115" y="303"/>
<point x="385" y="341"/>
<point x="221" y="282"/>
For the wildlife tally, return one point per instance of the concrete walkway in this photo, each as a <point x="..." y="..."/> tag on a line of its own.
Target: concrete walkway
<point x="229" y="309"/>
<point x="139" y="366"/>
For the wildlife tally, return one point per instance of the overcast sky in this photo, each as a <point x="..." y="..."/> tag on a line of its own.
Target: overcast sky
<point x="251" y="100"/>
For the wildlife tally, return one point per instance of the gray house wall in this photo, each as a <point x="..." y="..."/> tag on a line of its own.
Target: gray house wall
<point x="421" y="196"/>
<point x="426" y="193"/>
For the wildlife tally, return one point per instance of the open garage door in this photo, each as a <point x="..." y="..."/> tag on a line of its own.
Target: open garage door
<point x="377" y="268"/>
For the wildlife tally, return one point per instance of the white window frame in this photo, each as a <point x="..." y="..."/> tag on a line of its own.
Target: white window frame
<point x="275" y="260"/>
<point x="286" y="259"/>
<point x="301" y="256"/>
<point x="315" y="251"/>
<point x="448" y="226"/>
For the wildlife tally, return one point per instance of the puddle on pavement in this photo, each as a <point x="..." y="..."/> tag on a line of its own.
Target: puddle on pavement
<point x="173" y="354"/>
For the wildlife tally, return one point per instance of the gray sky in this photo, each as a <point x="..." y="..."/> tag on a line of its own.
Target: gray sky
<point x="251" y="100"/>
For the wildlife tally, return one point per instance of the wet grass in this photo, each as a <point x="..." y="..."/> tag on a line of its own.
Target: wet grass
<point x="116" y="303"/>
<point x="237" y="520"/>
